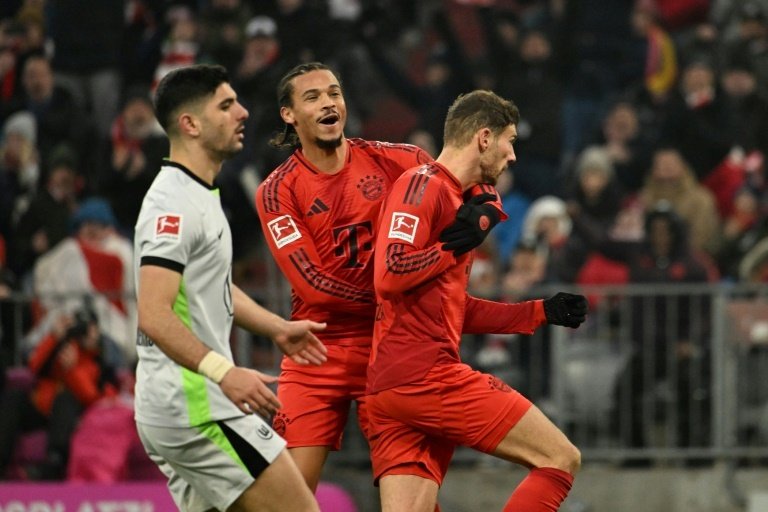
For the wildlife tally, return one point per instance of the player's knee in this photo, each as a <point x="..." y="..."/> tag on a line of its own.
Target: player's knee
<point x="566" y="458"/>
<point x="570" y="459"/>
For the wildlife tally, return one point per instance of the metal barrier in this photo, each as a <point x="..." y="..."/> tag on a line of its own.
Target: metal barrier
<point x="664" y="372"/>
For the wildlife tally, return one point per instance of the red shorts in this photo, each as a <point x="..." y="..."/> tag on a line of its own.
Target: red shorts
<point x="415" y="428"/>
<point x="316" y="399"/>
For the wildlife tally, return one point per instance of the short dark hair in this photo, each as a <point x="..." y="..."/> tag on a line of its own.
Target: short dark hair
<point x="183" y="86"/>
<point x="474" y="111"/>
<point x="288" y="139"/>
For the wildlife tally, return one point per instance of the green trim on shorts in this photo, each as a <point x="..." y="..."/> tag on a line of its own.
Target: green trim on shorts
<point x="193" y="384"/>
<point x="213" y="431"/>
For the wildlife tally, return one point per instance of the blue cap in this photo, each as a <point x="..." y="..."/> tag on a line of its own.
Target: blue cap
<point x="94" y="209"/>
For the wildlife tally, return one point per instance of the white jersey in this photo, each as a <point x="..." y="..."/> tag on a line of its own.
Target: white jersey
<point x="182" y="227"/>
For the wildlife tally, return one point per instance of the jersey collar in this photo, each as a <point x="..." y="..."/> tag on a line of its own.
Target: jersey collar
<point x="171" y="163"/>
<point x="447" y="174"/>
<point x="299" y="154"/>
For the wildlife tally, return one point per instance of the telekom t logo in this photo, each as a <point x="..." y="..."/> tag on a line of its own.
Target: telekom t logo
<point x="352" y="239"/>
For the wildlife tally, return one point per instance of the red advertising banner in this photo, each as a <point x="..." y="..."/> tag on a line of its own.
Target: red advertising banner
<point x="128" y="497"/>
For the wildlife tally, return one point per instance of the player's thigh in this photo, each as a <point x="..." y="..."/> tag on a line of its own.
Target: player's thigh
<point x="310" y="461"/>
<point x="211" y="465"/>
<point x="407" y="493"/>
<point x="279" y="488"/>
<point x="183" y="494"/>
<point x="537" y="442"/>
<point x="483" y="412"/>
<point x="316" y="400"/>
<point x="399" y="448"/>
<point x="312" y="413"/>
<point x="475" y="409"/>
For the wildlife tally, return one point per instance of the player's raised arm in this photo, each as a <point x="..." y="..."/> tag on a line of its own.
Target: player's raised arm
<point x="407" y="255"/>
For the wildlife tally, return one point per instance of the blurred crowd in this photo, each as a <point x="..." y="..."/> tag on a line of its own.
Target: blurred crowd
<point x="642" y="140"/>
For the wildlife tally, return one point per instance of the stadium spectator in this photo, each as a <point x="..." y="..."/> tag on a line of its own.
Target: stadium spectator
<point x="74" y="365"/>
<point x="98" y="263"/>
<point x="751" y="37"/>
<point x="592" y="204"/>
<point x="628" y="144"/>
<point x="255" y="79"/>
<point x="548" y="225"/>
<point x="136" y="148"/>
<point x="45" y="221"/>
<point x="747" y="105"/>
<point x="672" y="357"/>
<point x="19" y="168"/>
<point x="671" y="179"/>
<point x="743" y="229"/>
<point x="59" y="118"/>
<point x="696" y="119"/>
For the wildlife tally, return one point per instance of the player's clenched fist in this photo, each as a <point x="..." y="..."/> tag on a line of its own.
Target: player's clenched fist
<point x="474" y="220"/>
<point x="566" y="309"/>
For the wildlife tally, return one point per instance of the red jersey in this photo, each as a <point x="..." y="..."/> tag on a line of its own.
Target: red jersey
<point x="421" y="289"/>
<point x="321" y="229"/>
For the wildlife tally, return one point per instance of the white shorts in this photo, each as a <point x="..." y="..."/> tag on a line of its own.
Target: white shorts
<point x="211" y="465"/>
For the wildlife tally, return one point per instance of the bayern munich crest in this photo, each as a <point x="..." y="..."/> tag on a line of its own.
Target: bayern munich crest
<point x="372" y="187"/>
<point x="279" y="423"/>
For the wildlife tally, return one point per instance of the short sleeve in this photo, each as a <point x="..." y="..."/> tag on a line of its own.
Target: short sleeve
<point x="168" y="234"/>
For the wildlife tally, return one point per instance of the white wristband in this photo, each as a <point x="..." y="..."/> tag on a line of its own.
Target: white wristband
<point x="214" y="366"/>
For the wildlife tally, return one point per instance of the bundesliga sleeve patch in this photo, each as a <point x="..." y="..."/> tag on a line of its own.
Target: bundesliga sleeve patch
<point x="168" y="226"/>
<point x="403" y="226"/>
<point x="283" y="230"/>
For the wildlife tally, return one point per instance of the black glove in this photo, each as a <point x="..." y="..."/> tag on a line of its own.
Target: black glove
<point x="474" y="220"/>
<point x="566" y="309"/>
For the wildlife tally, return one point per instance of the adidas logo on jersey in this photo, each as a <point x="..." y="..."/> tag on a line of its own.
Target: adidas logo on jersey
<point x="318" y="206"/>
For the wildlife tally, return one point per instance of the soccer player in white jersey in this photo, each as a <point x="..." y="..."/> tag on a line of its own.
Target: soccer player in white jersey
<point x="194" y="407"/>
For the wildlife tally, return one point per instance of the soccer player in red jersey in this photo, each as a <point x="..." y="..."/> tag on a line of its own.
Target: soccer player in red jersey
<point x="422" y="400"/>
<point x="319" y="212"/>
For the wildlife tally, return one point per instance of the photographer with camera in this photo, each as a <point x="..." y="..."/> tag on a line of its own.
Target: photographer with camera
<point x="74" y="365"/>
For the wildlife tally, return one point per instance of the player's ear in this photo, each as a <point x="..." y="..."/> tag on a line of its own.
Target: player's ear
<point x="287" y="115"/>
<point x="189" y="124"/>
<point x="483" y="136"/>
